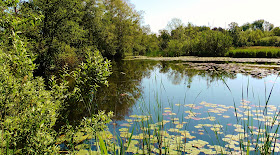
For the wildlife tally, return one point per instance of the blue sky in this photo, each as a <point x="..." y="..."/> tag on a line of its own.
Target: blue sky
<point x="213" y="13"/>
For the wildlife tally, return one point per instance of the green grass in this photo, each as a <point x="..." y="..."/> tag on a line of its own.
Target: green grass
<point x="254" y="52"/>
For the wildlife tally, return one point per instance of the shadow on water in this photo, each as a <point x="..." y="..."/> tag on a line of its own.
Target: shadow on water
<point x="125" y="87"/>
<point x="193" y="102"/>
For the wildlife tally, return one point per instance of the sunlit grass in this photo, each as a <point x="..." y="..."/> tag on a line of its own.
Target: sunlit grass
<point x="254" y="52"/>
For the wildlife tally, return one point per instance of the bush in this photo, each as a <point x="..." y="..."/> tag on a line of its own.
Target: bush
<point x="67" y="56"/>
<point x="270" y="41"/>
<point x="29" y="110"/>
<point x="174" y="48"/>
<point x="212" y="43"/>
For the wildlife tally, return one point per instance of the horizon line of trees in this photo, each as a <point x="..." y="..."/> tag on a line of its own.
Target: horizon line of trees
<point x="60" y="32"/>
<point x="181" y="40"/>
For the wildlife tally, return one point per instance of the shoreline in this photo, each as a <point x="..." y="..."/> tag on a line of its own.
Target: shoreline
<point x="223" y="64"/>
<point x="207" y="59"/>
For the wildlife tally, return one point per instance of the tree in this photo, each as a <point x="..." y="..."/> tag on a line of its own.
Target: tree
<point x="175" y="48"/>
<point x="58" y="33"/>
<point x="164" y="38"/>
<point x="234" y="31"/>
<point x="219" y="29"/>
<point x="124" y="24"/>
<point x="234" y="28"/>
<point x="174" y="24"/>
<point x="245" y="26"/>
<point x="276" y="31"/>
<point x="178" y="33"/>
<point x="255" y="36"/>
<point x="145" y="42"/>
<point x="267" y="26"/>
<point x="212" y="43"/>
<point x="258" y="24"/>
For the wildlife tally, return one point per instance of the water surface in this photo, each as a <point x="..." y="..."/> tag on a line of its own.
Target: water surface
<point x="209" y="106"/>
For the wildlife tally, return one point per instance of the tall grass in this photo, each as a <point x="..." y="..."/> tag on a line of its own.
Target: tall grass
<point x="252" y="135"/>
<point x="254" y="52"/>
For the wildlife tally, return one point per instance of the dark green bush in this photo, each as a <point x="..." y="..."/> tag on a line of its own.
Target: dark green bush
<point x="212" y="43"/>
<point x="29" y="110"/>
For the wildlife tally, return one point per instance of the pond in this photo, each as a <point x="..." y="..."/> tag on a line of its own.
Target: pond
<point x="168" y="107"/>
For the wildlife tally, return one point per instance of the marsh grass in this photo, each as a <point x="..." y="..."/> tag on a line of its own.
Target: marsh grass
<point x="254" y="52"/>
<point x="263" y="139"/>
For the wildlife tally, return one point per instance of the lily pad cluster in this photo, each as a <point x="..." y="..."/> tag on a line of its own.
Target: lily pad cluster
<point x="204" y="128"/>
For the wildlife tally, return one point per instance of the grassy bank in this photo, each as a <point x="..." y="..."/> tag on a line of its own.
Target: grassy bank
<point x="238" y="52"/>
<point x="254" y="52"/>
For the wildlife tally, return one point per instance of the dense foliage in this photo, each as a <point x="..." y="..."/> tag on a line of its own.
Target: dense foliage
<point x="30" y="109"/>
<point x="60" y="32"/>
<point x="180" y="40"/>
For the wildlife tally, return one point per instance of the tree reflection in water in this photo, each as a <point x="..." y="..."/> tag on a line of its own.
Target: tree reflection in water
<point x="125" y="87"/>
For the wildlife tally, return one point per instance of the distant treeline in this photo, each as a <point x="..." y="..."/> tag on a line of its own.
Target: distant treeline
<point x="178" y="39"/>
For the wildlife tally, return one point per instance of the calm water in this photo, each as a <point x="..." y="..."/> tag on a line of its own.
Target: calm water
<point x="185" y="100"/>
<point x="137" y="83"/>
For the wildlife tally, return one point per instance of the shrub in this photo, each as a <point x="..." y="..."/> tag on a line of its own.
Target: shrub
<point x="29" y="110"/>
<point x="270" y="41"/>
<point x="212" y="43"/>
<point x="174" y="48"/>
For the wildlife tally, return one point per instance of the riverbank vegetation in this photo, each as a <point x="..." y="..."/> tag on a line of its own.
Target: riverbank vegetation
<point x="32" y="107"/>
<point x="254" y="52"/>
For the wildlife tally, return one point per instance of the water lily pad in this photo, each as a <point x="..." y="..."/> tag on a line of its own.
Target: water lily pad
<point x="175" y="119"/>
<point x="173" y="130"/>
<point x="123" y="130"/>
<point x="179" y="126"/>
<point x="212" y="118"/>
<point x="126" y="125"/>
<point x="86" y="152"/>
<point x="239" y="130"/>
<point x="198" y="126"/>
<point x="167" y="111"/>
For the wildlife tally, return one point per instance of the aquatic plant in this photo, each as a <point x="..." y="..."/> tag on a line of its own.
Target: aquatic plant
<point x="243" y="128"/>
